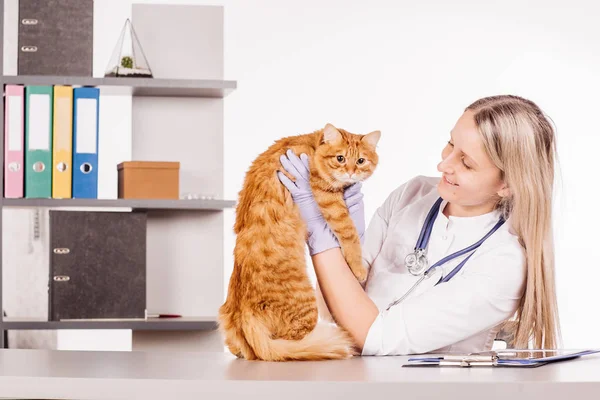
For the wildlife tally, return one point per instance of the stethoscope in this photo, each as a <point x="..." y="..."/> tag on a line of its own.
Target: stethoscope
<point x="417" y="263"/>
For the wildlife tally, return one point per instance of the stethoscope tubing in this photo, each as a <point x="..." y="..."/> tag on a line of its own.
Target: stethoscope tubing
<point x="423" y="241"/>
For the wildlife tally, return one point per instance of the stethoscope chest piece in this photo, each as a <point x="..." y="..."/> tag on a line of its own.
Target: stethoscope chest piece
<point x="416" y="262"/>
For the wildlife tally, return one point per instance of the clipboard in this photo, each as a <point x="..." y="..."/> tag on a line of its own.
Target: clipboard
<point x="517" y="358"/>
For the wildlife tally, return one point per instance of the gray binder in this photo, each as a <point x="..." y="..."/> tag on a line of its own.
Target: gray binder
<point x="97" y="265"/>
<point x="55" y="37"/>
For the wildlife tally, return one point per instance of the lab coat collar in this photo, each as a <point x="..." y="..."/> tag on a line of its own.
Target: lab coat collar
<point x="478" y="221"/>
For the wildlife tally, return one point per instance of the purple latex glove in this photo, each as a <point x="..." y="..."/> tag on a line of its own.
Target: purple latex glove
<point x="320" y="237"/>
<point x="353" y="198"/>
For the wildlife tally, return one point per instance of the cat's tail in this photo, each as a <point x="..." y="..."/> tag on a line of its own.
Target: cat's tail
<point x="324" y="342"/>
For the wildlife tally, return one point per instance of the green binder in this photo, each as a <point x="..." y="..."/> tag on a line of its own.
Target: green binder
<point x="38" y="141"/>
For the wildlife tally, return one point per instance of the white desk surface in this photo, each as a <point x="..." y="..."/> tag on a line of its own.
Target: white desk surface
<point x="41" y="374"/>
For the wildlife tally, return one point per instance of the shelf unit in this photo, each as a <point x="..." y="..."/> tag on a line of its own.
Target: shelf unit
<point x="158" y="324"/>
<point x="185" y="98"/>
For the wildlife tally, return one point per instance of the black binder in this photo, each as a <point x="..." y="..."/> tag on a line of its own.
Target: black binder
<point x="97" y="265"/>
<point x="55" y="37"/>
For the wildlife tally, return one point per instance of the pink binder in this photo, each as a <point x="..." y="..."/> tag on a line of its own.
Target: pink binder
<point x="14" y="120"/>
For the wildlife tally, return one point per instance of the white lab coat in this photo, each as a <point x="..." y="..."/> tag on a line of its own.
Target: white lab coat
<point x="462" y="314"/>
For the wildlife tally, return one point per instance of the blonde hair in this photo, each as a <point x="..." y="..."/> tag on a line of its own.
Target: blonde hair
<point x="520" y="141"/>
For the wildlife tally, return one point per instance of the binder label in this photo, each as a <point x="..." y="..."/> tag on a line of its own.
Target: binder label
<point x="39" y="121"/>
<point x="86" y="126"/>
<point x="63" y="116"/>
<point x="15" y="127"/>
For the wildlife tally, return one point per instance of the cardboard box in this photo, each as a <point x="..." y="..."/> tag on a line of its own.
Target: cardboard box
<point x="148" y="180"/>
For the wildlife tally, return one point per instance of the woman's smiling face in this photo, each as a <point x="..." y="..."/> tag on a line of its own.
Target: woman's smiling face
<point x="471" y="183"/>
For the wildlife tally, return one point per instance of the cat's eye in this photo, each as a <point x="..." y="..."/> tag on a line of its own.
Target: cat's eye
<point x="341" y="159"/>
<point x="360" y="161"/>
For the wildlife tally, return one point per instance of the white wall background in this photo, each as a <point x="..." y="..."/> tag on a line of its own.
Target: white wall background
<point x="407" y="68"/>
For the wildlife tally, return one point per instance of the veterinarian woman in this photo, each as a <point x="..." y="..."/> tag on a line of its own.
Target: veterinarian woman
<point x="487" y="220"/>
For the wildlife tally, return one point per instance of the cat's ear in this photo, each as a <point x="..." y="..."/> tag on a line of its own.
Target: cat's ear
<point x="372" y="138"/>
<point x="331" y="134"/>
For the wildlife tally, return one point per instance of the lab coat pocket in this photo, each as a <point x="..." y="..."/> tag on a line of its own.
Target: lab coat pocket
<point x="395" y="255"/>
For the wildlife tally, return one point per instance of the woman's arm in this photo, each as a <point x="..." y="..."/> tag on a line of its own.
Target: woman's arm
<point x="448" y="313"/>
<point x="348" y="303"/>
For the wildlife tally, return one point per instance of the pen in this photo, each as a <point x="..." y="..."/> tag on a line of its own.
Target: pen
<point x="163" y="316"/>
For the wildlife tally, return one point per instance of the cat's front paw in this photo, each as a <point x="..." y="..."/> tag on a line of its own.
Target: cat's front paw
<point x="353" y="256"/>
<point x="358" y="269"/>
<point x="361" y="274"/>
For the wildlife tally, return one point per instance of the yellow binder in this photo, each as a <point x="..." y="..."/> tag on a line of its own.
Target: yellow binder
<point x="62" y="142"/>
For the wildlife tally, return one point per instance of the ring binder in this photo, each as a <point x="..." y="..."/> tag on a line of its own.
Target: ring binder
<point x="55" y="37"/>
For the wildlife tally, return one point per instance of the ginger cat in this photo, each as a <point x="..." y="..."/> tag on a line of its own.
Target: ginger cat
<point x="271" y="311"/>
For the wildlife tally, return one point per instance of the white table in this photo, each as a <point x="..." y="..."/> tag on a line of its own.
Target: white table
<point x="41" y="374"/>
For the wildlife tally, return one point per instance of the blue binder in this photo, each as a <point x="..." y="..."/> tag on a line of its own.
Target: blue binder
<point x="86" y="111"/>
